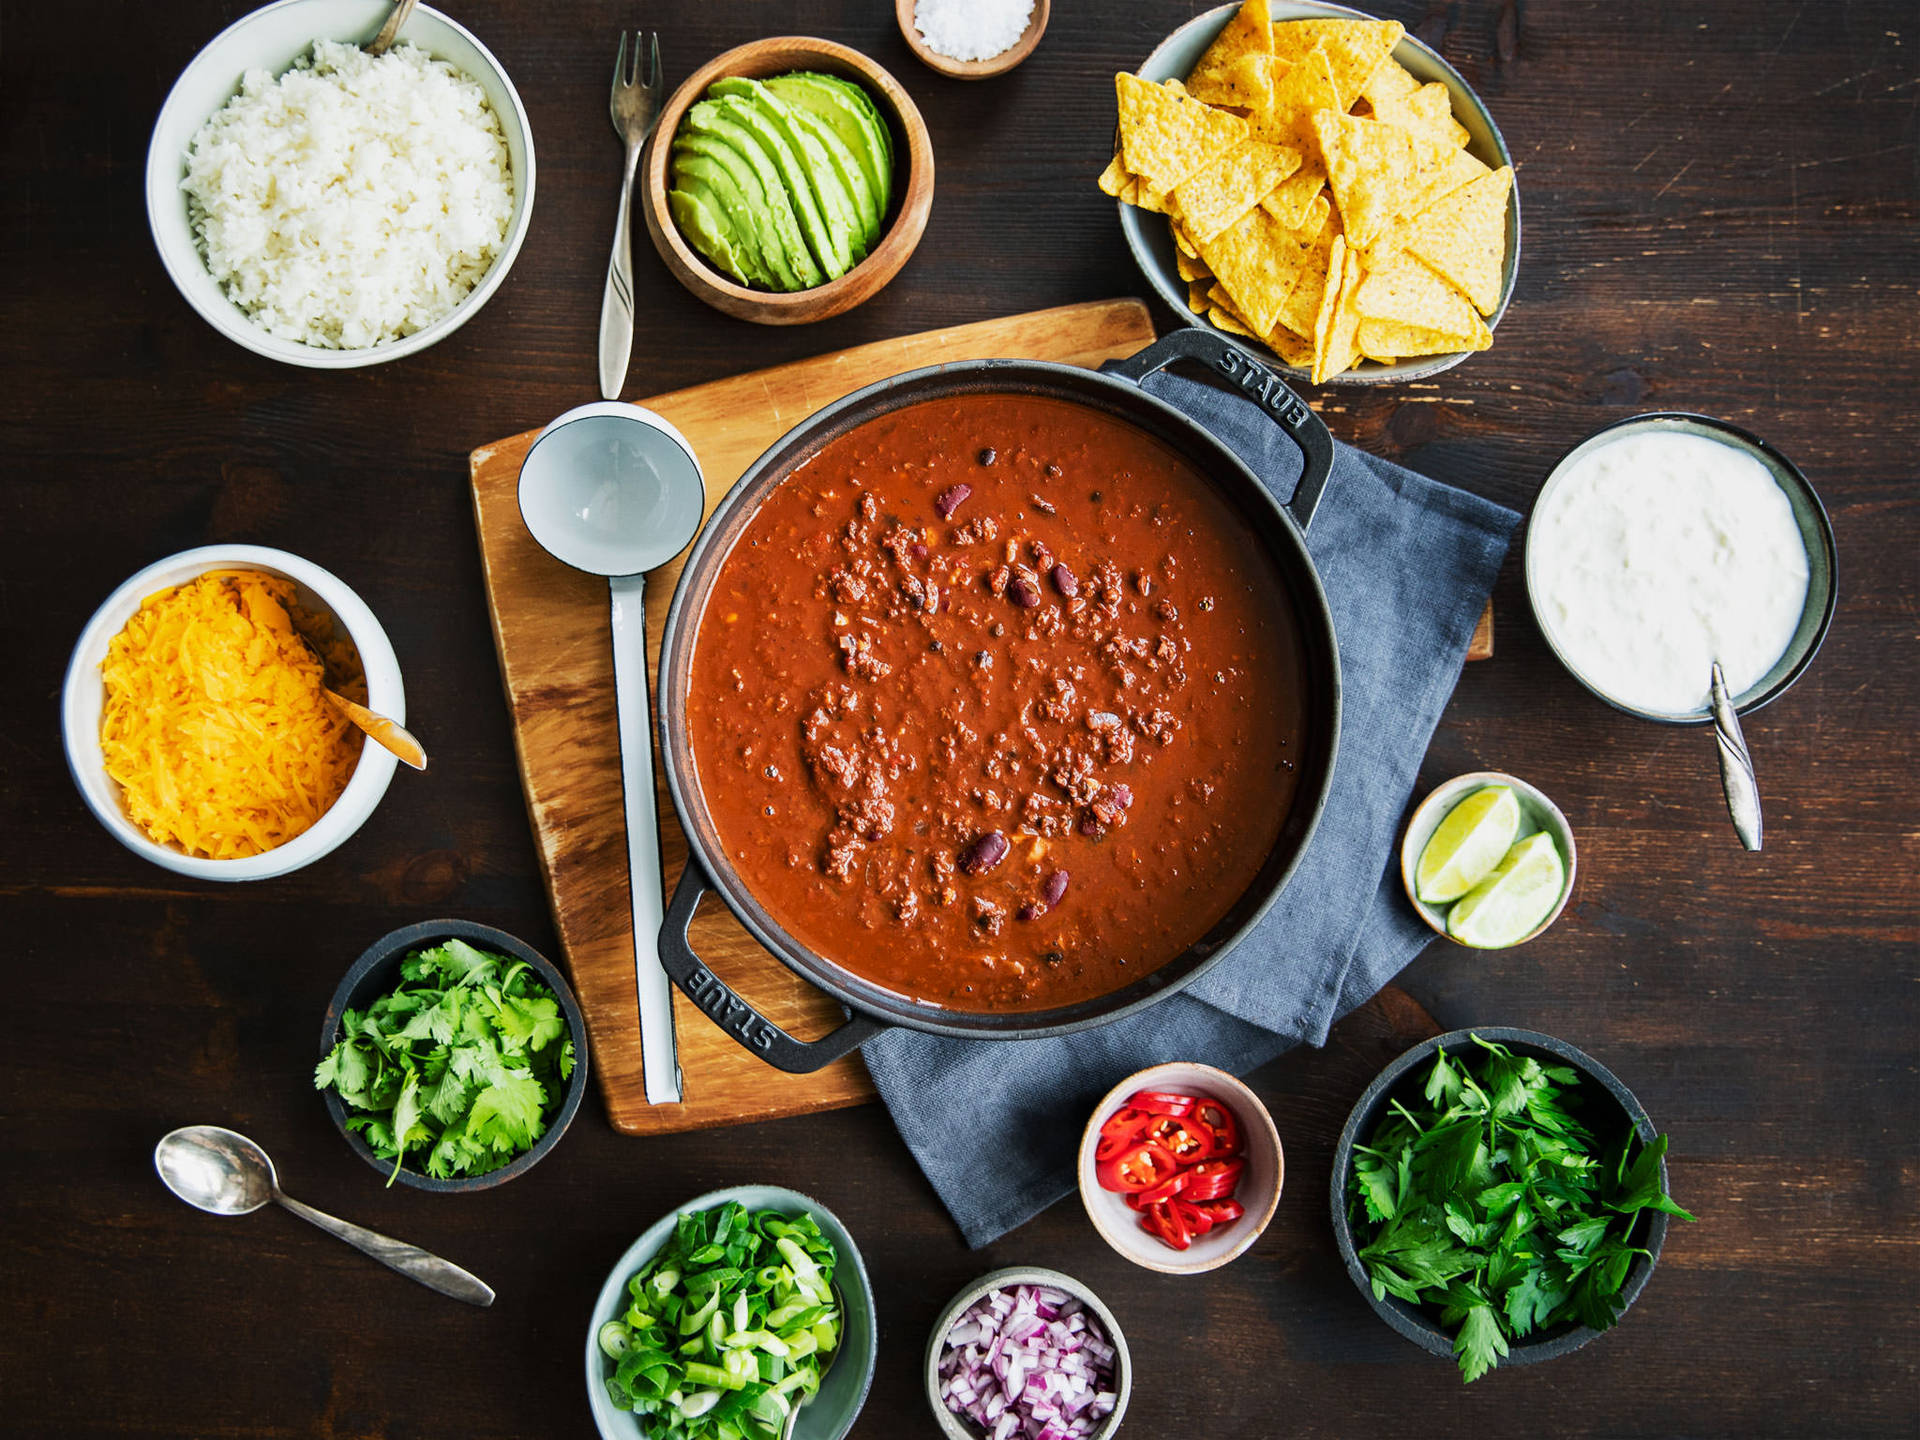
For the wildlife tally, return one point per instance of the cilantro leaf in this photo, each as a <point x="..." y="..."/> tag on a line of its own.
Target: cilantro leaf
<point x="455" y="1070"/>
<point x="1479" y="1345"/>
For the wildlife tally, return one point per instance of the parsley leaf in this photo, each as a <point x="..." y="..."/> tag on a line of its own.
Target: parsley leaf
<point x="1488" y="1200"/>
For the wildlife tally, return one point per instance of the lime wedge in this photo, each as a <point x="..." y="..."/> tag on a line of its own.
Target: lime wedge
<point x="1469" y="843"/>
<point x="1521" y="892"/>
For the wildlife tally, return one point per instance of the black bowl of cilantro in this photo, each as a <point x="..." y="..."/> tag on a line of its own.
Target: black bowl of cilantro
<point x="459" y="1042"/>
<point x="1500" y="1197"/>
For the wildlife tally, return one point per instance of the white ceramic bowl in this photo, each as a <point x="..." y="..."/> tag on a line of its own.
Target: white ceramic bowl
<point x="1260" y="1182"/>
<point x="1537" y="813"/>
<point x="1151" y="239"/>
<point x="951" y="1425"/>
<point x="830" y="1414"/>
<point x="84" y="695"/>
<point x="272" y="39"/>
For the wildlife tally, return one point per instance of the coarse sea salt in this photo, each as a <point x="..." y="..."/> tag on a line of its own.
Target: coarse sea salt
<point x="971" y="29"/>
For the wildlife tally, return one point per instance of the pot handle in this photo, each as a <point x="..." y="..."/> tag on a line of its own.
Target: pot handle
<point x="727" y="1010"/>
<point x="1258" y="384"/>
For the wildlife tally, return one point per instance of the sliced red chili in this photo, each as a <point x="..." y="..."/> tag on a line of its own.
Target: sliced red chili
<point x="1161" y="1220"/>
<point x="1189" y="1142"/>
<point x="1213" y="1179"/>
<point x="1140" y="1167"/>
<point x="1224" y="1212"/>
<point x="1122" y="1131"/>
<point x="1160" y="1102"/>
<point x="1197" y="1221"/>
<point x="1159" y="1194"/>
<point x="1218" y="1119"/>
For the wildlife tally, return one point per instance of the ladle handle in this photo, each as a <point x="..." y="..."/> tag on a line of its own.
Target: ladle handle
<point x="659" y="1056"/>
<point x="1736" y="765"/>
<point x="410" y="1260"/>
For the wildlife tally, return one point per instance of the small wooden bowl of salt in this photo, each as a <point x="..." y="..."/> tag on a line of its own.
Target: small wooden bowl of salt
<point x="972" y="39"/>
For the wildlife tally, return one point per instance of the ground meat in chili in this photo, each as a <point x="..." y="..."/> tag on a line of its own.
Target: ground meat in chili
<point x="1097" y="675"/>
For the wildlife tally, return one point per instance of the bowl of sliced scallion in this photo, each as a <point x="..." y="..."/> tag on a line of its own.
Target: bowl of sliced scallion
<point x="744" y="1315"/>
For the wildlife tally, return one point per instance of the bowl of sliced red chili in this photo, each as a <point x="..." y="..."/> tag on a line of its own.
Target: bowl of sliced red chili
<point x="1181" y="1168"/>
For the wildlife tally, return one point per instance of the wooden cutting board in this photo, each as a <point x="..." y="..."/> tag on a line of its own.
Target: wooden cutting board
<point x="550" y="626"/>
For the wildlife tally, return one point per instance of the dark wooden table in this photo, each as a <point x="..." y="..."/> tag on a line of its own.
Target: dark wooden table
<point x="1720" y="216"/>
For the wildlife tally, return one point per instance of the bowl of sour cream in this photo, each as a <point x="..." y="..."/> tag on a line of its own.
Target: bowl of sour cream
<point x="1668" y="542"/>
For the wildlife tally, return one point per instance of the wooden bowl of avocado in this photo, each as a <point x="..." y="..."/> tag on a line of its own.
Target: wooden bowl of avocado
<point x="788" y="180"/>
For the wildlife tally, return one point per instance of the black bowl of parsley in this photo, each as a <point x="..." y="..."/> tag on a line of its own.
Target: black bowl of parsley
<point x="1500" y="1197"/>
<point x="453" y="1056"/>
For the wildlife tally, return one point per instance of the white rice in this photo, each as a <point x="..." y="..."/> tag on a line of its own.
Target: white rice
<point x="971" y="29"/>
<point x="351" y="201"/>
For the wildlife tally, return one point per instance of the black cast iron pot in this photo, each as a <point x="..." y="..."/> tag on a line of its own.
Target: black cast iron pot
<point x="1116" y="392"/>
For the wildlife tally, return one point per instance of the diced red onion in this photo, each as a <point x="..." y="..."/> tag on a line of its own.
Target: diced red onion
<point x="1028" y="1364"/>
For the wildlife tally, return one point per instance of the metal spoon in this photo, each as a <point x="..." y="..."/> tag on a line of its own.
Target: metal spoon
<point x="384" y="732"/>
<point x="402" y="12"/>
<point x="224" y="1173"/>
<point x="793" y="1415"/>
<point x="1736" y="764"/>
<point x="615" y="490"/>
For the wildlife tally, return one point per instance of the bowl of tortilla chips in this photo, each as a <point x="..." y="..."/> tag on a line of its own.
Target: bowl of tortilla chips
<point x="1317" y="181"/>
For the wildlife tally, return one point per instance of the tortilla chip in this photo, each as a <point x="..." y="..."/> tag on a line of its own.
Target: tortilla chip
<point x="1290" y="347"/>
<point x="1463" y="237"/>
<point x="1354" y="49"/>
<point x="1408" y="293"/>
<point x="1380" y="338"/>
<point x="1298" y="91"/>
<point x="1155" y="200"/>
<point x="1377" y="172"/>
<point x="1165" y="136"/>
<point x="1293" y="200"/>
<point x="1318" y="213"/>
<point x="1337" y="351"/>
<point x="1315" y="265"/>
<point x="1215" y="196"/>
<point x="1229" y="322"/>
<point x="1391" y="81"/>
<point x="1197" y="296"/>
<point x="1248" y="33"/>
<point x="1190" y="267"/>
<point x="1113" y="179"/>
<point x="1258" y="263"/>
<point x="1429" y="112"/>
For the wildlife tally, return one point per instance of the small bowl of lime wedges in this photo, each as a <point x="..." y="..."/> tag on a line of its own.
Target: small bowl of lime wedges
<point x="1488" y="860"/>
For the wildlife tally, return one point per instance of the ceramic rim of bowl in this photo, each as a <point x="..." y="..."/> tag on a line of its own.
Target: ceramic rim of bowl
<point x="1790" y="479"/>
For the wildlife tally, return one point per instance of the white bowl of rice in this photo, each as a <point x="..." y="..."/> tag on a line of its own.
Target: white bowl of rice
<point x="330" y="210"/>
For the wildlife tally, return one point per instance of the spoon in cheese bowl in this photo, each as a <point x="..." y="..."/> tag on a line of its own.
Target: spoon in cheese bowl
<point x="614" y="490"/>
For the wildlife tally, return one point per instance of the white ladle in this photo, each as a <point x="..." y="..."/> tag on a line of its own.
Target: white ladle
<point x="615" y="490"/>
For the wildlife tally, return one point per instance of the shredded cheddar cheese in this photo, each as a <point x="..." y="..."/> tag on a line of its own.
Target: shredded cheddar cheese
<point x="216" y="724"/>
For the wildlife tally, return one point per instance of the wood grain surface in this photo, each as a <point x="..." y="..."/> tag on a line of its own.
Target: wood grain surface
<point x="1722" y="215"/>
<point x="550" y="625"/>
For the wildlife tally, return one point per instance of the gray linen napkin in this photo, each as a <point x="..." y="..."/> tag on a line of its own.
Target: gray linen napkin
<point x="1407" y="564"/>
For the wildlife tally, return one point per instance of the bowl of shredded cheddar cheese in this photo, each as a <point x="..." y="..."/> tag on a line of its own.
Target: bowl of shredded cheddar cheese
<point x="196" y="715"/>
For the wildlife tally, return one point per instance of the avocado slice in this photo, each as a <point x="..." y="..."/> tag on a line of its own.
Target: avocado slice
<point x="827" y="242"/>
<point x="852" y="177"/>
<point x="846" y="225"/>
<point x="702" y="223"/>
<point x="847" y="110"/>
<point x="706" y="120"/>
<point x="725" y="172"/>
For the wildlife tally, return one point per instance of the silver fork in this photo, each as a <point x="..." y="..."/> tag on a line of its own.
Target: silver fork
<point x="634" y="107"/>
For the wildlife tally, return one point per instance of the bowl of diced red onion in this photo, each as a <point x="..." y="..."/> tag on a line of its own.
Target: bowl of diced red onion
<point x="1028" y="1354"/>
